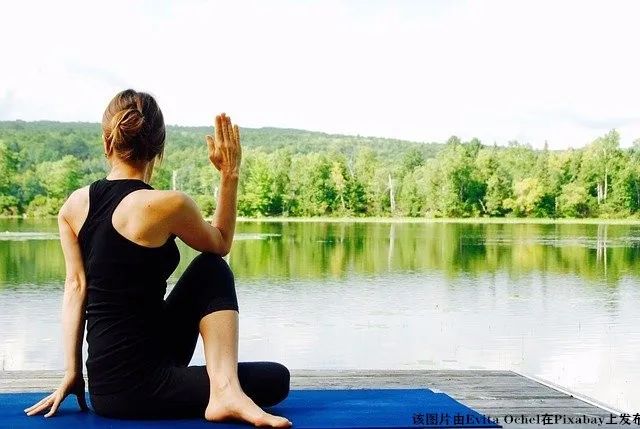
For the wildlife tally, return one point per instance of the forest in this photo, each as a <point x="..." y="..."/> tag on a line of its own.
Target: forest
<point x="297" y="173"/>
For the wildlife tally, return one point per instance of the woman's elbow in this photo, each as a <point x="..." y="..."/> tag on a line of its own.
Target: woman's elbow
<point x="74" y="286"/>
<point x="224" y="250"/>
<point x="219" y="243"/>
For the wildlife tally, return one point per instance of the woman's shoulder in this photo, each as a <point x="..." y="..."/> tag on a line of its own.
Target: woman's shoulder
<point x="75" y="209"/>
<point x="150" y="214"/>
<point x="160" y="203"/>
<point x="167" y="209"/>
<point x="78" y="201"/>
<point x="164" y="198"/>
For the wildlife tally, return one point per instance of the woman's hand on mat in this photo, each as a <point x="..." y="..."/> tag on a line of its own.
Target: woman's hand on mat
<point x="224" y="148"/>
<point x="71" y="383"/>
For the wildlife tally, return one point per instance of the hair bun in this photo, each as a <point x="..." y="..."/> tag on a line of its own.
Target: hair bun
<point x="133" y="126"/>
<point x="126" y="127"/>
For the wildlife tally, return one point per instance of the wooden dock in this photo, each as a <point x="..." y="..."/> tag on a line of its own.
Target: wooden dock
<point x="494" y="393"/>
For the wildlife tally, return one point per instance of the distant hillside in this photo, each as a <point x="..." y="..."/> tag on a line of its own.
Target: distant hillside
<point x="297" y="173"/>
<point x="47" y="140"/>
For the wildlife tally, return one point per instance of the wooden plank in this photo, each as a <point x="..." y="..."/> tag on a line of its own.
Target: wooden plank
<point x="407" y="373"/>
<point x="321" y="373"/>
<point x="495" y="393"/>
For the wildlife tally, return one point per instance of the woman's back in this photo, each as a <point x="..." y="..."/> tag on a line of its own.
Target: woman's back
<point x="126" y="284"/>
<point x="119" y="251"/>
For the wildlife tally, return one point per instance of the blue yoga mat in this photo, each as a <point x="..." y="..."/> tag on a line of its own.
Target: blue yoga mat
<point x="307" y="409"/>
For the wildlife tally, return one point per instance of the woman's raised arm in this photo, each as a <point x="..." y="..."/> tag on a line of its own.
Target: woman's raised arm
<point x="73" y="320"/>
<point x="184" y="217"/>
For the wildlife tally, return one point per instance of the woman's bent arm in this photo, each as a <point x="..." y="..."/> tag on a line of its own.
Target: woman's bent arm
<point x="73" y="307"/>
<point x="73" y="325"/>
<point x="185" y="219"/>
<point x="75" y="292"/>
<point x="225" y="153"/>
<point x="225" y="216"/>
<point x="183" y="215"/>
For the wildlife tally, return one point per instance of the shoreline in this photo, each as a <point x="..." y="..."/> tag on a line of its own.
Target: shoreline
<point x="471" y="220"/>
<point x="569" y="221"/>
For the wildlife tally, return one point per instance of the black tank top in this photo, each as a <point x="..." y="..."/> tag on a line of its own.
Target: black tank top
<point x="126" y="284"/>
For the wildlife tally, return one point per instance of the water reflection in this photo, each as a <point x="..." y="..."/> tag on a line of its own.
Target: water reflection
<point x="556" y="301"/>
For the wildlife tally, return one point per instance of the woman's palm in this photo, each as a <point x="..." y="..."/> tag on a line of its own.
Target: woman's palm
<point x="225" y="152"/>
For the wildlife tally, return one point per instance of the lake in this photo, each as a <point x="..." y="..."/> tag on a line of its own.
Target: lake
<point x="556" y="301"/>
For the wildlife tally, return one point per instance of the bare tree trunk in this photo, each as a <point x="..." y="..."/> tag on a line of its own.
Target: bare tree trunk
<point x="350" y="167"/>
<point x="174" y="179"/>
<point x="605" y="183"/>
<point x="484" y="209"/>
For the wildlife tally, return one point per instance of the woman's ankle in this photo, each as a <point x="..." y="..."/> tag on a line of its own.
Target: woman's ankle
<point x="221" y="381"/>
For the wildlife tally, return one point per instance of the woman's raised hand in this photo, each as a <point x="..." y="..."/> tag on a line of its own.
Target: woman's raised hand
<point x="225" y="152"/>
<point x="71" y="384"/>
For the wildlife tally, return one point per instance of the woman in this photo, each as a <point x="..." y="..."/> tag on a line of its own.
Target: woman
<point x="117" y="236"/>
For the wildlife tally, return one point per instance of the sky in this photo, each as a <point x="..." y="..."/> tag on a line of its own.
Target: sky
<point x="564" y="72"/>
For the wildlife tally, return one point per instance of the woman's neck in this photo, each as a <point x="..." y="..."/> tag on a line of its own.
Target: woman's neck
<point x="120" y="170"/>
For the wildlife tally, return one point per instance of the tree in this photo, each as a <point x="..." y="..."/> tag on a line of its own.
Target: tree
<point x="9" y="193"/>
<point x="573" y="201"/>
<point x="528" y="193"/>
<point x="60" y="178"/>
<point x="461" y="191"/>
<point x="599" y="163"/>
<point x="411" y="159"/>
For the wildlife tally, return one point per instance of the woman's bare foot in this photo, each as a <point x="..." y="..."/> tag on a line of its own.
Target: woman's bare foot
<point x="228" y="401"/>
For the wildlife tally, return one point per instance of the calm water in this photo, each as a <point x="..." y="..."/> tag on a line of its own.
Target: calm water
<point x="554" y="301"/>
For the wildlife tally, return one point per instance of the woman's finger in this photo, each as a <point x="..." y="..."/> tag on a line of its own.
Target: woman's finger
<point x="54" y="407"/>
<point x="236" y="134"/>
<point x="211" y="144"/>
<point x="37" y="404"/>
<point x="225" y="128"/>
<point x="238" y="146"/>
<point x="218" y="128"/>
<point x="232" y="137"/>
<point x="40" y="407"/>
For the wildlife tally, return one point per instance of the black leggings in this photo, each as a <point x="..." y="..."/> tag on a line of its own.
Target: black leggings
<point x="178" y="390"/>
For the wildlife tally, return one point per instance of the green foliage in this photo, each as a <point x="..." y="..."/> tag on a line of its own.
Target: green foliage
<point x="59" y="178"/>
<point x="262" y="189"/>
<point x="573" y="201"/>
<point x="206" y="203"/>
<point x="528" y="194"/>
<point x="42" y="206"/>
<point x="288" y="172"/>
<point x="8" y="205"/>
